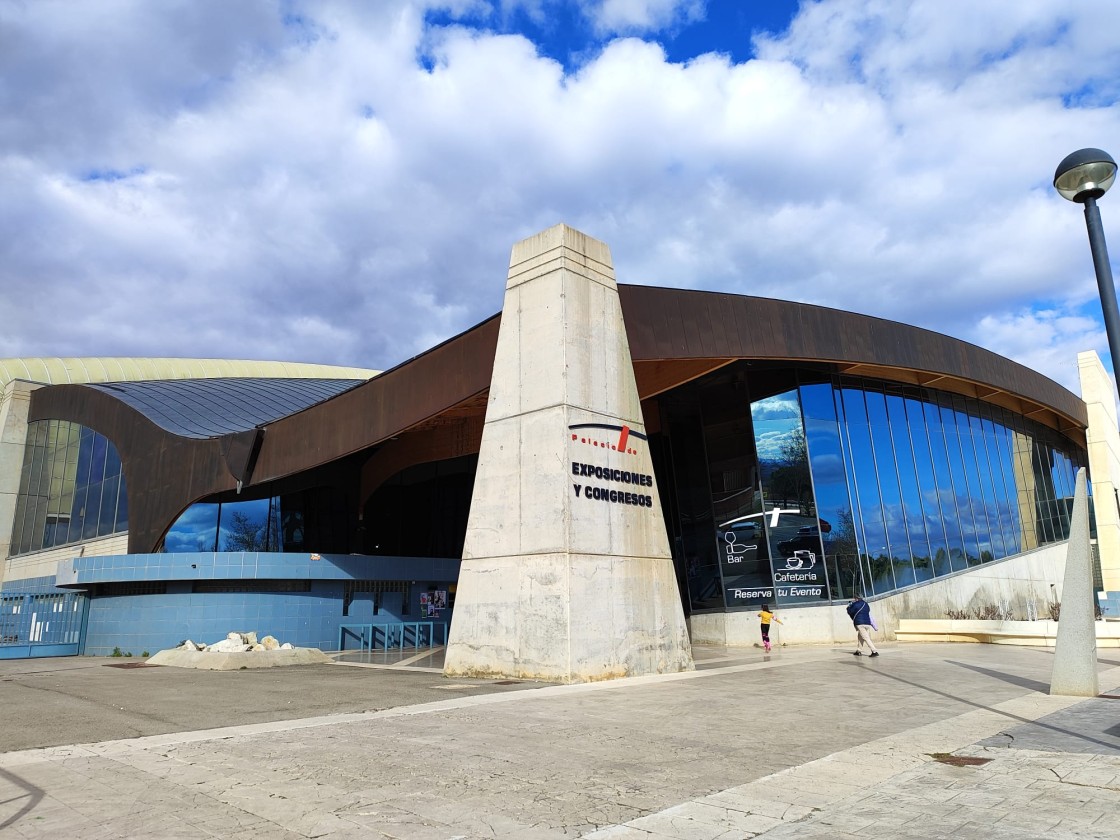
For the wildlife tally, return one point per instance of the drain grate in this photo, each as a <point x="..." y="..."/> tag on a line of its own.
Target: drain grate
<point x="959" y="760"/>
<point x="129" y="665"/>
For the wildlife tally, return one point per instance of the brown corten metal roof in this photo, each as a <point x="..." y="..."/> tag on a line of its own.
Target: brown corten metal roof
<point x="440" y="396"/>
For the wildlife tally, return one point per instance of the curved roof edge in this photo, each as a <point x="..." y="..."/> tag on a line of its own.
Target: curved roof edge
<point x="213" y="407"/>
<point x="84" y="370"/>
<point x="681" y="324"/>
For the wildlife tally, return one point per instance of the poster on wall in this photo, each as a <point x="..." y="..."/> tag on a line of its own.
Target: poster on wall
<point x="432" y="602"/>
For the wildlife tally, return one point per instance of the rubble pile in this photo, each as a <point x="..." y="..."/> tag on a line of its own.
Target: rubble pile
<point x="238" y="651"/>
<point x="237" y="643"/>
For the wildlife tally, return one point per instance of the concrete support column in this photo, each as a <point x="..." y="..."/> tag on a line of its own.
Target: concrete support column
<point x="566" y="572"/>
<point x="1075" y="649"/>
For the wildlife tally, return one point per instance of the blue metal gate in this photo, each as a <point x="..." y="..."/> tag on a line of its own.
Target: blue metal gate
<point x="41" y="623"/>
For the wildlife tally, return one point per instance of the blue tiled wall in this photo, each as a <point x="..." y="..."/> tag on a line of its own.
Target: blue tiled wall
<point x="251" y="565"/>
<point x="37" y="584"/>
<point x="137" y="623"/>
<point x="152" y="622"/>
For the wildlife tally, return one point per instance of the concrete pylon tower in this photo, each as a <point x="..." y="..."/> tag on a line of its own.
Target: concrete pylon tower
<point x="1075" y="649"/>
<point x="566" y="572"/>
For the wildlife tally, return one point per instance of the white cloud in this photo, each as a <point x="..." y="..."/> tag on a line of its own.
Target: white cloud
<point x="1046" y="341"/>
<point x="640" y="16"/>
<point x="777" y="408"/>
<point x="344" y="184"/>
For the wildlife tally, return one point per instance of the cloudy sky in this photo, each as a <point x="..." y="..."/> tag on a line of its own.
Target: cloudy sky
<point x="342" y="181"/>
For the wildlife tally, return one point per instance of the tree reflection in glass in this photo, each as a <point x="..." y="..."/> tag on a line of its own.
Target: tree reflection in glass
<point x="797" y="558"/>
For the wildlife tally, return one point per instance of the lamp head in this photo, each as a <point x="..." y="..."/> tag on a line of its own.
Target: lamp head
<point x="1087" y="173"/>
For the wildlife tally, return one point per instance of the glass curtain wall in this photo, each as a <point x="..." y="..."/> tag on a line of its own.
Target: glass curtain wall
<point x="307" y="520"/>
<point x="71" y="488"/>
<point x="880" y="486"/>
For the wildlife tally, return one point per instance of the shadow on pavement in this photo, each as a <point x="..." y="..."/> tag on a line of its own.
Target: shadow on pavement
<point x="880" y="673"/>
<point x="1023" y="682"/>
<point x="34" y="797"/>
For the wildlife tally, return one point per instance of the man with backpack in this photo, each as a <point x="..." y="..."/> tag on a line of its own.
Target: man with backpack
<point x="860" y="613"/>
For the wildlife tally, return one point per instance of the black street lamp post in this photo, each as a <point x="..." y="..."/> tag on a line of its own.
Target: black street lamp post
<point x="1084" y="177"/>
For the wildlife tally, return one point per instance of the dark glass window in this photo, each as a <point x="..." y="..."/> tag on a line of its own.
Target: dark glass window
<point x="106" y="523"/>
<point x="694" y="533"/>
<point x="989" y="486"/>
<point x="196" y="529"/>
<point x="908" y="483"/>
<point x="886" y="470"/>
<point x="797" y="559"/>
<point x="738" y="532"/>
<point x="243" y="526"/>
<point x="974" y="469"/>
<point x="929" y="495"/>
<point x="878" y="571"/>
<point x="910" y="488"/>
<point x="830" y="486"/>
<point x="70" y="488"/>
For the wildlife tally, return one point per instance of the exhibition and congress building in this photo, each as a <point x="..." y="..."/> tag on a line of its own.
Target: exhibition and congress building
<point x="799" y="455"/>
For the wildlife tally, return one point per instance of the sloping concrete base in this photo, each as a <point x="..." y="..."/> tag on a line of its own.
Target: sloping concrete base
<point x="1037" y="633"/>
<point x="236" y="661"/>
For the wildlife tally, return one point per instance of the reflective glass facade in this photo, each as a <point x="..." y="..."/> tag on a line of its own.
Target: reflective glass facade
<point x="419" y="512"/>
<point x="881" y="486"/>
<point x="71" y="488"/>
<point x="306" y="520"/>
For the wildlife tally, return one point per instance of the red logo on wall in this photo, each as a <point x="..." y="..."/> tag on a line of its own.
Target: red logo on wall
<point x="604" y="441"/>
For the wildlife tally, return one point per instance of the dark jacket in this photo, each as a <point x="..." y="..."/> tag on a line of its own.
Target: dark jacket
<point x="860" y="612"/>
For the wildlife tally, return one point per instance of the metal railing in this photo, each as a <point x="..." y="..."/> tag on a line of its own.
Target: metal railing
<point x="399" y="635"/>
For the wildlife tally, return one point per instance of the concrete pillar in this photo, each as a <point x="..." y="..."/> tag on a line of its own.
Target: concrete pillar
<point x="1075" y="649"/>
<point x="1103" y="444"/>
<point x="566" y="572"/>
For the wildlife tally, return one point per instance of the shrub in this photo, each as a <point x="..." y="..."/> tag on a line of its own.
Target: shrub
<point x="985" y="612"/>
<point x="988" y="612"/>
<point x="116" y="652"/>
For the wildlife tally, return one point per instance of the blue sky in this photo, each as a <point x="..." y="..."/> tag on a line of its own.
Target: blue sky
<point x="566" y="32"/>
<point x="342" y="182"/>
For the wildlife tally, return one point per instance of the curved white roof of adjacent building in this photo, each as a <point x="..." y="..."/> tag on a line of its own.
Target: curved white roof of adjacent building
<point x="75" y="370"/>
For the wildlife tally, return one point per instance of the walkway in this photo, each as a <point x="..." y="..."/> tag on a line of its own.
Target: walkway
<point x="809" y="742"/>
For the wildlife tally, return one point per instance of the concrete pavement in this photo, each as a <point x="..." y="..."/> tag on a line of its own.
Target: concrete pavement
<point x="97" y="698"/>
<point x="808" y="742"/>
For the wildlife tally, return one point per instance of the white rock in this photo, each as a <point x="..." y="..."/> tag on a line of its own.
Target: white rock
<point x="235" y="637"/>
<point x="286" y="646"/>
<point x="188" y="645"/>
<point x="249" y="638"/>
<point x="270" y="643"/>
<point x="228" y="646"/>
<point x="257" y="646"/>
